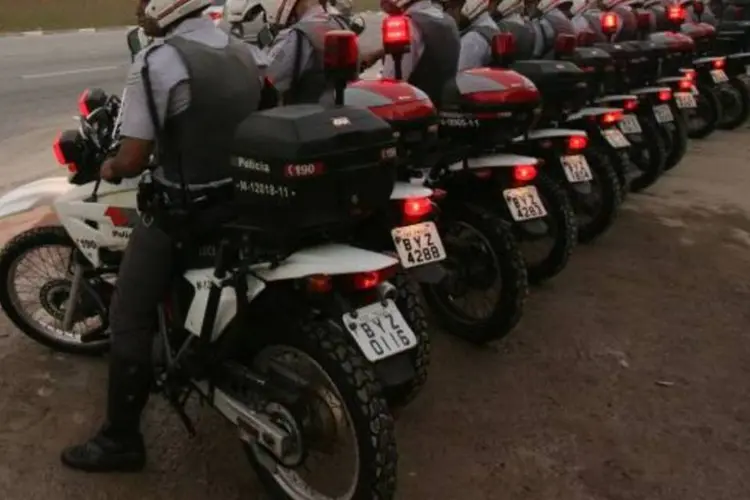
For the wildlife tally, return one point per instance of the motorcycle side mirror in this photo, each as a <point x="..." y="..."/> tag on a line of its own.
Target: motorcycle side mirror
<point x="340" y="60"/>
<point x="503" y="49"/>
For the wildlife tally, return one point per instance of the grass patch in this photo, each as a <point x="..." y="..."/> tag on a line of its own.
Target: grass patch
<point x="28" y="15"/>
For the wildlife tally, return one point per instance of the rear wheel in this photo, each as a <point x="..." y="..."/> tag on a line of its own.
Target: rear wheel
<point x="409" y="304"/>
<point x="679" y="141"/>
<point x="704" y="118"/>
<point x="650" y="158"/>
<point x="735" y="104"/>
<point x="341" y="404"/>
<point x="483" y="261"/>
<point x="596" y="211"/>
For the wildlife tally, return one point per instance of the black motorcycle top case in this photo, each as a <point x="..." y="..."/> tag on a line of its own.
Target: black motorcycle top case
<point x="308" y="167"/>
<point x="562" y="84"/>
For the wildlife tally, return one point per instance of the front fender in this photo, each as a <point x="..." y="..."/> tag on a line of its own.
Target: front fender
<point x="32" y="195"/>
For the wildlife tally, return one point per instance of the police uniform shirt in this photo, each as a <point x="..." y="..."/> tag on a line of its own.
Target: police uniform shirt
<point x="475" y="49"/>
<point x="410" y="59"/>
<point x="169" y="79"/>
<point x="282" y="53"/>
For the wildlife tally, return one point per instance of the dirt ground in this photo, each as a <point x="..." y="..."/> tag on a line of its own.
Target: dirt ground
<point x="628" y="379"/>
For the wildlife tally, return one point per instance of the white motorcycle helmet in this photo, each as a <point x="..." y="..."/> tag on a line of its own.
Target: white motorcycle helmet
<point x="580" y="6"/>
<point x="509" y="7"/>
<point x="472" y="9"/>
<point x="241" y="11"/>
<point x="547" y="6"/>
<point x="166" y="12"/>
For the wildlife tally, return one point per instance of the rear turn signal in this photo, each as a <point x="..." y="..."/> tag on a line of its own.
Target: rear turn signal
<point x="60" y="156"/>
<point x="630" y="105"/>
<point x="524" y="173"/>
<point x="719" y="63"/>
<point x="685" y="84"/>
<point x="417" y="207"/>
<point x="665" y="95"/>
<point x="370" y="279"/>
<point x="577" y="143"/>
<point x="689" y="74"/>
<point x="611" y="117"/>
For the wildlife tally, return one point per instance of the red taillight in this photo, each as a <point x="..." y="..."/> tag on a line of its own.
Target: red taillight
<point x="609" y="22"/>
<point x="689" y="74"/>
<point x="611" y="117"/>
<point x="675" y="13"/>
<point x="719" y="63"/>
<point x="685" y="84"/>
<point x="665" y="95"/>
<point x="319" y="283"/>
<point x="630" y="105"/>
<point x="524" y="173"/>
<point x="370" y="279"/>
<point x="83" y="107"/>
<point x="396" y="33"/>
<point x="577" y="143"/>
<point x="60" y="156"/>
<point x="417" y="207"/>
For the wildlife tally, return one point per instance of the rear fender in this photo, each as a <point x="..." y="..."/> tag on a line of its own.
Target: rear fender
<point x="405" y="191"/>
<point x="548" y="141"/>
<point x="616" y="99"/>
<point x="330" y="259"/>
<point x="591" y="112"/>
<point x="34" y="194"/>
<point x="648" y="90"/>
<point x="493" y="161"/>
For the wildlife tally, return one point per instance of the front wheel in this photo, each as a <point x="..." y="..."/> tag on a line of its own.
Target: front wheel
<point x="341" y="405"/>
<point x="37" y="306"/>
<point x="483" y="261"/>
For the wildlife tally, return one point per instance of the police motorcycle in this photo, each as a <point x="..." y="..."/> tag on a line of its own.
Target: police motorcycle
<point x="653" y="123"/>
<point x="706" y="73"/>
<point x="483" y="260"/>
<point x="327" y="303"/>
<point x="597" y="192"/>
<point x="732" y="45"/>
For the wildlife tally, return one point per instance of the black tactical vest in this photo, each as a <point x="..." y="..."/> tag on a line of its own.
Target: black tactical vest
<point x="441" y="50"/>
<point x="629" y="27"/>
<point x="225" y="87"/>
<point x="309" y="85"/>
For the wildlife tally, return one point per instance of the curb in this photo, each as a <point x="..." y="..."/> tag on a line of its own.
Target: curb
<point x="63" y="32"/>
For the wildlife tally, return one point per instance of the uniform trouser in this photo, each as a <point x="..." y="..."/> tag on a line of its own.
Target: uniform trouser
<point x="143" y="283"/>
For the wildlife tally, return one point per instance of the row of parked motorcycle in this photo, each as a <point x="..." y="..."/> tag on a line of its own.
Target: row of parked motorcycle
<point x="302" y="318"/>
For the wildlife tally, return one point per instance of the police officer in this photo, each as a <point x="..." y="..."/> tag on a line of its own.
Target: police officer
<point x="186" y="93"/>
<point x="509" y="17"/>
<point x="435" y="46"/>
<point x="296" y="56"/>
<point x="550" y="20"/>
<point x="477" y="30"/>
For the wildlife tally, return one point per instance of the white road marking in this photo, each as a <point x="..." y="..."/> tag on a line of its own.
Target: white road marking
<point x="69" y="72"/>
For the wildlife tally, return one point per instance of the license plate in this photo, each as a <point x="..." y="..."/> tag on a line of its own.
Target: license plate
<point x="719" y="76"/>
<point x="663" y="114"/>
<point x="576" y="168"/>
<point x="418" y="244"/>
<point x="380" y="330"/>
<point x="524" y="203"/>
<point x="685" y="100"/>
<point x="629" y="125"/>
<point x="615" y="138"/>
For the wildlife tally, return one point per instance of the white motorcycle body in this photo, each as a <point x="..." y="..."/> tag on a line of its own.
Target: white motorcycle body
<point x="115" y="213"/>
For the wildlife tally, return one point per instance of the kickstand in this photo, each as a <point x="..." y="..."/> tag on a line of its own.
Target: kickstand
<point x="179" y="407"/>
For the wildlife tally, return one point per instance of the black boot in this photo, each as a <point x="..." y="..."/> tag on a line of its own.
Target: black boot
<point x="118" y="446"/>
